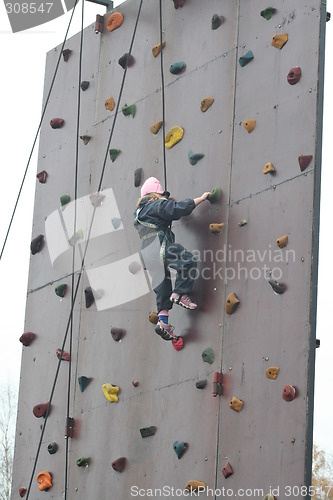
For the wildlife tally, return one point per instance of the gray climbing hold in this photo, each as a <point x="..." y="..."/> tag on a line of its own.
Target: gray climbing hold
<point x="194" y="157"/>
<point x="116" y="222"/>
<point x="201" y="384"/>
<point x="217" y="21"/>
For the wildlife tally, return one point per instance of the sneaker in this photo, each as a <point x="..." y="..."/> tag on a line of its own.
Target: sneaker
<point x="165" y="331"/>
<point x="183" y="300"/>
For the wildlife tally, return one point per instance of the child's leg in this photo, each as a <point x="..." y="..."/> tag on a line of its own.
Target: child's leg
<point x="163" y="291"/>
<point x="180" y="259"/>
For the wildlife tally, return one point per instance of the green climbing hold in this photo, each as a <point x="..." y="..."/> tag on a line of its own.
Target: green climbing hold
<point x="246" y="58"/>
<point x="85" y="138"/>
<point x="208" y="355"/>
<point x="83" y="382"/>
<point x="267" y="13"/>
<point x="177" y="67"/>
<point x="114" y="153"/>
<point x="60" y="290"/>
<point x="78" y="235"/>
<point x="194" y="157"/>
<point x="83" y="461"/>
<point x="215" y="195"/>
<point x="129" y="110"/>
<point x="64" y="200"/>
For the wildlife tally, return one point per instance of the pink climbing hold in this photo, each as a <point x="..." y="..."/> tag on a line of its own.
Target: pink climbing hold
<point x="227" y="470"/>
<point x="64" y="356"/>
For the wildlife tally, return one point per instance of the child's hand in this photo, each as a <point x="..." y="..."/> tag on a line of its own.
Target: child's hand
<point x="204" y="195"/>
<point x="201" y="198"/>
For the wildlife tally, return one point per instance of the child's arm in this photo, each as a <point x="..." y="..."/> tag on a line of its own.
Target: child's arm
<point x="174" y="210"/>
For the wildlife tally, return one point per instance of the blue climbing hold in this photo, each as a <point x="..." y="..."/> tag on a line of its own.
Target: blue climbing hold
<point x="180" y="447"/>
<point x="194" y="157"/>
<point x="83" y="382"/>
<point x="177" y="67"/>
<point x="246" y="58"/>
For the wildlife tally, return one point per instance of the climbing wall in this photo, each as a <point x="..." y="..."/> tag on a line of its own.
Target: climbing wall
<point x="246" y="90"/>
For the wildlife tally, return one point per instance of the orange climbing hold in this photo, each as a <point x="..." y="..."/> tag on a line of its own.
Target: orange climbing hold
<point x="272" y="372"/>
<point x="231" y="303"/>
<point x="216" y="227"/>
<point x="44" y="479"/>
<point x="155" y="127"/>
<point x="109" y="104"/>
<point x="157" y="48"/>
<point x="206" y="103"/>
<point x="236" y="404"/>
<point x="269" y="168"/>
<point x="282" y="241"/>
<point x="153" y="317"/>
<point x="114" y="21"/>
<point x="249" y="125"/>
<point x="193" y="485"/>
<point x="279" y="41"/>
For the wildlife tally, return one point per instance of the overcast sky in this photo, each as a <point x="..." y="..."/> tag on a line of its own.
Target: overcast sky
<point x="22" y="79"/>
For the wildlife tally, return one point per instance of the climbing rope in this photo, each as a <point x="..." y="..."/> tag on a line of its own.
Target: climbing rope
<point x="76" y="288"/>
<point x="37" y="133"/>
<point x="163" y="98"/>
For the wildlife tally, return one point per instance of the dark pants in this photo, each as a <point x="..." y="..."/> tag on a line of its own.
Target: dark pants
<point x="177" y="258"/>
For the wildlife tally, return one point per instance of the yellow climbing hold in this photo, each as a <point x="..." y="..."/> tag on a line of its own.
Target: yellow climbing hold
<point x="155" y="127"/>
<point x="249" y="125"/>
<point x="109" y="104"/>
<point x="110" y="392"/>
<point x="282" y="241"/>
<point x="206" y="103"/>
<point x="279" y="41"/>
<point x="272" y="372"/>
<point x="157" y="48"/>
<point x="236" y="404"/>
<point x="174" y="135"/>
<point x="193" y="485"/>
<point x="269" y="168"/>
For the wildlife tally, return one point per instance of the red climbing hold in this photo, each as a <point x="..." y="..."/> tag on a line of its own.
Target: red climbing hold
<point x="217" y="384"/>
<point x="22" y="492"/>
<point x="178" y="3"/>
<point x="119" y="464"/>
<point x="294" y="75"/>
<point x="27" y="337"/>
<point x="40" y="410"/>
<point x="64" y="355"/>
<point x="289" y="393"/>
<point x="227" y="470"/>
<point x="41" y="176"/>
<point x="304" y="161"/>
<point x="178" y="344"/>
<point x="57" y="122"/>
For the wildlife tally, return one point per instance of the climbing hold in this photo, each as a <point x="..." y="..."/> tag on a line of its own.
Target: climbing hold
<point x="206" y="103"/>
<point x="83" y="382"/>
<point x="109" y="104"/>
<point x="83" y="461"/>
<point x="289" y="393"/>
<point x="85" y="138"/>
<point x="193" y="485"/>
<point x="60" y="290"/>
<point x="217" y="384"/>
<point x="267" y="13"/>
<point x="126" y="59"/>
<point x="177" y="67"/>
<point x="89" y="297"/>
<point x="231" y="303"/>
<point x="119" y="464"/>
<point x="157" y="48"/>
<point x="110" y="392"/>
<point x="134" y="267"/>
<point x="69" y="428"/>
<point x="66" y="53"/>
<point x="177" y="344"/>
<point x="246" y="58"/>
<point x="84" y="85"/>
<point x="57" y="122"/>
<point x="208" y="355"/>
<point x="236" y="404"/>
<point x="201" y="384"/>
<point x="242" y="223"/>
<point x="97" y="199"/>
<point x="277" y="287"/>
<point x="249" y="125"/>
<point x="216" y="228"/>
<point x="269" y="496"/>
<point x="148" y="431"/>
<point x="153" y="317"/>
<point x="78" y="235"/>
<point x="44" y="479"/>
<point x="40" y="410"/>
<point x="135" y="383"/>
<point x="138" y="177"/>
<point x="117" y="333"/>
<point x="62" y="355"/>
<point x="37" y="244"/>
<point x="279" y="41"/>
<point x="294" y="75"/>
<point x="41" y="176"/>
<point x="215" y="195"/>
<point x="282" y="241"/>
<point x="178" y="3"/>
<point x="217" y="21"/>
<point x="180" y="447"/>
<point x="52" y="448"/>
<point x="272" y="372"/>
<point x="116" y="222"/>
<point x="27" y="337"/>
<point x="129" y="110"/>
<point x="114" y="21"/>
<point x="99" y="23"/>
<point x="65" y="199"/>
<point x="155" y="127"/>
<point x="22" y="492"/>
<point x="227" y="470"/>
<point x="113" y="154"/>
<point x="269" y="168"/>
<point x="172" y="137"/>
<point x="304" y="161"/>
<point x="194" y="157"/>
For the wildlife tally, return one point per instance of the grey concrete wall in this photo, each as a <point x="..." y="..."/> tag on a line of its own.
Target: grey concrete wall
<point x="268" y="442"/>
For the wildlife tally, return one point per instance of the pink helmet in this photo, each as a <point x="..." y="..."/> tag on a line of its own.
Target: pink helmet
<point x="151" y="185"/>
